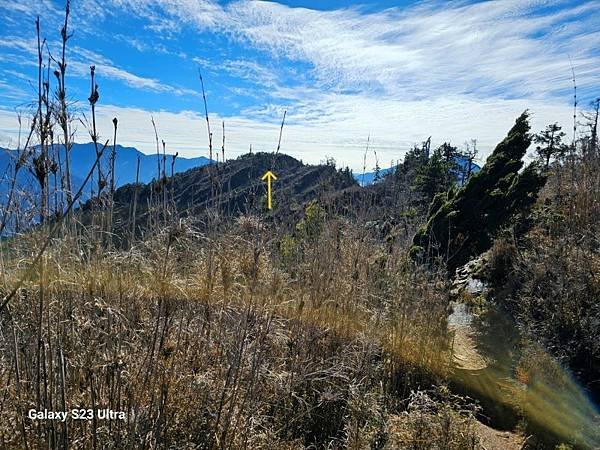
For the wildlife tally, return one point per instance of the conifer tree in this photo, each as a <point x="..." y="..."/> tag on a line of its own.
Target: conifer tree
<point x="462" y="223"/>
<point x="436" y="175"/>
<point x="551" y="145"/>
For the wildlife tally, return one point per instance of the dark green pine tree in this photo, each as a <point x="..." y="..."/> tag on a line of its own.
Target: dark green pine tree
<point x="407" y="171"/>
<point x="462" y="223"/>
<point x="551" y="145"/>
<point x="436" y="175"/>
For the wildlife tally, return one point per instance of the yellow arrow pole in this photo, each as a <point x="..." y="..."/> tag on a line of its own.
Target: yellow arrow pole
<point x="269" y="176"/>
<point x="269" y="205"/>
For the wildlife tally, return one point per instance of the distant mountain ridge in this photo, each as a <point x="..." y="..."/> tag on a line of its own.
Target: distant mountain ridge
<point x="83" y="157"/>
<point x="367" y="178"/>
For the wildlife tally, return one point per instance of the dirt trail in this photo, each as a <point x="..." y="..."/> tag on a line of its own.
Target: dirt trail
<point x="465" y="354"/>
<point x="491" y="439"/>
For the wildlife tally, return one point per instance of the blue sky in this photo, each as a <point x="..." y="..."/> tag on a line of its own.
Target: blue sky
<point x="397" y="71"/>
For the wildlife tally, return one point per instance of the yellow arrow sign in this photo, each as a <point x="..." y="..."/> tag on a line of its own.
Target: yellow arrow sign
<point x="269" y="176"/>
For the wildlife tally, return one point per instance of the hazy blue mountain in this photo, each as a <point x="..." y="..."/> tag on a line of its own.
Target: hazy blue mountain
<point x="462" y="164"/>
<point x="369" y="177"/>
<point x="83" y="157"/>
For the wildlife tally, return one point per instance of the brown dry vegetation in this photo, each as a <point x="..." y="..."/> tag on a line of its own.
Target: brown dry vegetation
<point x="210" y="342"/>
<point x="549" y="280"/>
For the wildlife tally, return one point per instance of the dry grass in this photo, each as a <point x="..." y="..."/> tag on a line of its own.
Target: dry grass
<point x="215" y="342"/>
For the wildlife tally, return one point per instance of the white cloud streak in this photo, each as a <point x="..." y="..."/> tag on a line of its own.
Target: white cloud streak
<point x="394" y="127"/>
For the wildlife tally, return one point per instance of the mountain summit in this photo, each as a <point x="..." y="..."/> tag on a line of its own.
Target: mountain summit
<point x="234" y="188"/>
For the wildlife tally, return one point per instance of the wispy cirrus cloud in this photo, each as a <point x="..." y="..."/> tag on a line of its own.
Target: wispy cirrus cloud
<point x="511" y="47"/>
<point x="505" y="47"/>
<point x="80" y="60"/>
<point x="29" y="9"/>
<point x="128" y="78"/>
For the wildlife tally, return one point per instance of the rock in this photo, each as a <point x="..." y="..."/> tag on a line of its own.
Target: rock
<point x="475" y="287"/>
<point x="468" y="279"/>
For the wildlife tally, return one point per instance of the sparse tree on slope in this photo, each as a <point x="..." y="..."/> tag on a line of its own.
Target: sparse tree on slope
<point x="551" y="145"/>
